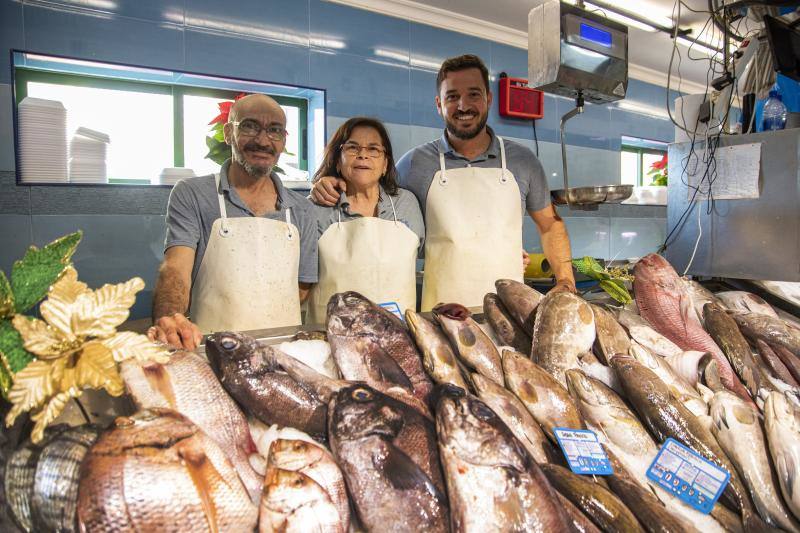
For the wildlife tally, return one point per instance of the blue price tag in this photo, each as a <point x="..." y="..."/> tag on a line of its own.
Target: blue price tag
<point x="583" y="451"/>
<point x="688" y="475"/>
<point x="393" y="308"/>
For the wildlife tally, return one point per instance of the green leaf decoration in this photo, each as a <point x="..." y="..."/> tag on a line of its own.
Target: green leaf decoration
<point x="32" y="275"/>
<point x="616" y="289"/>
<point x="6" y="297"/>
<point x="11" y="347"/>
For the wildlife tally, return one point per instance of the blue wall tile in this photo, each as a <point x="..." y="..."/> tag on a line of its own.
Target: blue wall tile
<point x="209" y="52"/>
<point x="358" y="86"/>
<point x="430" y="46"/>
<point x="280" y="20"/>
<point x="154" y="10"/>
<point x="105" y="37"/>
<point x="589" y="236"/>
<point x="6" y="128"/>
<point x="590" y="128"/>
<point x="636" y="237"/>
<point x="362" y="32"/>
<point x="421" y="99"/>
<point x="12" y="35"/>
<point x="14" y="239"/>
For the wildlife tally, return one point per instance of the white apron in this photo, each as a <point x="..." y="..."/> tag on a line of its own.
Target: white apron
<point x="369" y="255"/>
<point x="473" y="233"/>
<point x="248" y="276"/>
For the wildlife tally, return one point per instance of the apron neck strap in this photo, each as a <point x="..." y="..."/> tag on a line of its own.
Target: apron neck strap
<point x="223" y="213"/>
<point x="502" y="154"/>
<point x="394" y="213"/>
<point x="442" y="177"/>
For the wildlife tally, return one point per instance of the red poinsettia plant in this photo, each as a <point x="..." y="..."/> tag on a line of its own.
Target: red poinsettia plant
<point x="658" y="172"/>
<point x="218" y="149"/>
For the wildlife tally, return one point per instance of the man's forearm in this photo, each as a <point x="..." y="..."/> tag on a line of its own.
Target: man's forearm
<point x="555" y="242"/>
<point x="171" y="294"/>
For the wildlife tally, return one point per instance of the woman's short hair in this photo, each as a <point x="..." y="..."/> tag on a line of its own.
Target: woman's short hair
<point x="333" y="152"/>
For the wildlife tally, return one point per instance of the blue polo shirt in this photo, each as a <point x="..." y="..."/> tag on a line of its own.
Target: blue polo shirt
<point x="418" y="166"/>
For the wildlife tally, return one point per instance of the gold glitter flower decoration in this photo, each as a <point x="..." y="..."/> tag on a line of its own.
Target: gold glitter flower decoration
<point x="77" y="346"/>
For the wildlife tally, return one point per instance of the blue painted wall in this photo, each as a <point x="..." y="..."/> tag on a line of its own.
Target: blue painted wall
<point x="370" y="64"/>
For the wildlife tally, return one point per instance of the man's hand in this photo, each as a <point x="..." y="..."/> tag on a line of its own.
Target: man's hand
<point x="526" y="260"/>
<point x="177" y="331"/>
<point x="565" y="285"/>
<point x="326" y="191"/>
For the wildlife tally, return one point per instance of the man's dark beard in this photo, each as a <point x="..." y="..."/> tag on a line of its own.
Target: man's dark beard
<point x="465" y="135"/>
<point x="254" y="171"/>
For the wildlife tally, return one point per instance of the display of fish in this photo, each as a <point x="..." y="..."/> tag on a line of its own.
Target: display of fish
<point x="516" y="417"/>
<point x="387" y="452"/>
<point x="782" y="424"/>
<point x="596" y="502"/>
<point x="317" y="463"/>
<point x="738" y="431"/>
<point x="745" y="302"/>
<point x="504" y="326"/>
<point x="726" y="334"/>
<point x="156" y="471"/>
<point x="438" y="357"/>
<point x="474" y="347"/>
<point x="611" y="336"/>
<point x="789" y="360"/>
<point x="252" y="376"/>
<point x="187" y="384"/>
<point x="493" y="483"/>
<point x="663" y="301"/>
<point x="580" y="522"/>
<point x="564" y="330"/>
<point x="772" y="330"/>
<point x="642" y="332"/>
<point x="540" y="393"/>
<point x="666" y="417"/>
<point x="774" y="374"/>
<point x="294" y="502"/>
<point x="521" y="302"/>
<point x="700" y="296"/>
<point x="371" y="344"/>
<point x="649" y="510"/>
<point x="680" y="388"/>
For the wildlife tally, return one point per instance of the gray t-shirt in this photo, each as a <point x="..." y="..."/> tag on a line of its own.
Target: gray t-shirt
<point x="418" y="166"/>
<point x="405" y="205"/>
<point x="194" y="206"/>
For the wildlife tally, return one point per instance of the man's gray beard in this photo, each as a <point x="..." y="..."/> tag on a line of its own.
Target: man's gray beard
<point x="253" y="171"/>
<point x="468" y="134"/>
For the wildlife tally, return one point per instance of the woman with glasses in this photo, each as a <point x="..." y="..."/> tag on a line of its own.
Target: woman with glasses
<point x="370" y="239"/>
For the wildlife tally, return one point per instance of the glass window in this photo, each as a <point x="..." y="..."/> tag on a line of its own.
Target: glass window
<point x="637" y="159"/>
<point x="629" y="163"/>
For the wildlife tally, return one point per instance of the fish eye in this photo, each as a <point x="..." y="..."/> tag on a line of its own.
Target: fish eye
<point x="482" y="411"/>
<point x="361" y="395"/>
<point x="229" y="343"/>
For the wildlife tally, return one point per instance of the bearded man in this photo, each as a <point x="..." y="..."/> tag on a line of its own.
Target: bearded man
<point x="241" y="250"/>
<point x="474" y="188"/>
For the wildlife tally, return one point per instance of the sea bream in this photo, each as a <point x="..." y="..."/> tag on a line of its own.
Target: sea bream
<point x="493" y="483"/>
<point x="663" y="301"/>
<point x="475" y="349"/>
<point x="371" y="344"/>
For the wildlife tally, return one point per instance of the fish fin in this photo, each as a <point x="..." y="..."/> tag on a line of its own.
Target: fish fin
<point x="387" y="369"/>
<point x="786" y="471"/>
<point x="405" y="474"/>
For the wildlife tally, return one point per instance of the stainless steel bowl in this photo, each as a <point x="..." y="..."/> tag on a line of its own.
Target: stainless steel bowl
<point x="584" y="196"/>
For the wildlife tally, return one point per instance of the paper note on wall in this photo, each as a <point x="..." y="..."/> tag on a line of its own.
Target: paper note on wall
<point x="731" y="174"/>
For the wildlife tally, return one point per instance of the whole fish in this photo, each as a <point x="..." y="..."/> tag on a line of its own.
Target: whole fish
<point x="252" y="376"/>
<point x="516" y="417"/>
<point x="541" y="394"/>
<point x="663" y="301"/>
<point x="782" y="424"/>
<point x="681" y="390"/>
<point x="642" y="332"/>
<point x="493" y="483"/>
<point x="505" y="327"/>
<point x="387" y="453"/>
<point x="371" y="344"/>
<point x="564" y="330"/>
<point x="521" y="302"/>
<point x="55" y="487"/>
<point x="789" y="360"/>
<point x="317" y="463"/>
<point x="726" y="334"/>
<point x="624" y="436"/>
<point x="746" y="302"/>
<point x="651" y="513"/>
<point x="611" y="337"/>
<point x="772" y="330"/>
<point x="700" y="296"/>
<point x="598" y="503"/>
<point x="474" y="347"/>
<point x="738" y="431"/>
<point x="666" y="417"/>
<point x="156" y="471"/>
<point x="438" y="357"/>
<point x="294" y="502"/>
<point x="774" y="363"/>
<point x="187" y="384"/>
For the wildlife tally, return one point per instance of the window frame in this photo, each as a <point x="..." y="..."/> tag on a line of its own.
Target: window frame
<point x="22" y="75"/>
